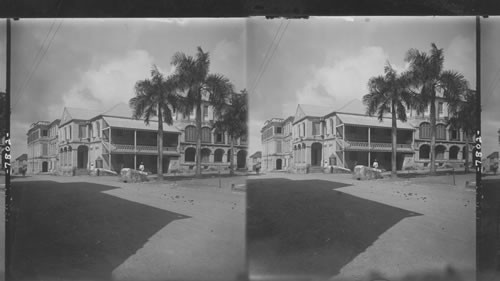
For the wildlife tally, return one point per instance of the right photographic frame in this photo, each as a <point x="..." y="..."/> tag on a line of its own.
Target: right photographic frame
<point x="362" y="134"/>
<point x="488" y="212"/>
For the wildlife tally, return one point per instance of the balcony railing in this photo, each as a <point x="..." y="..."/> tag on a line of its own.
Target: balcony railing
<point x="374" y="146"/>
<point x="129" y="148"/>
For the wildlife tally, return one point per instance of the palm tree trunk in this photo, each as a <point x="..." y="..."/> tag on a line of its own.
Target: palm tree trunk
<point x="231" y="160"/>
<point x="433" y="135"/>
<point x="198" y="139"/>
<point x="466" y="152"/>
<point x="160" y="145"/>
<point x="394" y="143"/>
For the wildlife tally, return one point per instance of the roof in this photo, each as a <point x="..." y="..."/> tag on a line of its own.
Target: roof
<point x="370" y="121"/>
<point x="493" y="155"/>
<point x="353" y="106"/>
<point x="137" y="124"/>
<point x="22" y="157"/>
<point x="119" y="110"/>
<point x="82" y="113"/>
<point x="257" y="154"/>
<point x="315" y="110"/>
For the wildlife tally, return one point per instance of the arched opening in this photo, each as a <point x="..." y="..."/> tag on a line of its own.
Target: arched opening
<point x="454" y="152"/>
<point x="82" y="156"/>
<point x="228" y="156"/>
<point x="440" y="132"/>
<point x="440" y="149"/>
<point x="241" y="157"/>
<point x="464" y="154"/>
<point x="424" y="151"/>
<point x="189" y="154"/>
<point x="205" y="155"/>
<point x="45" y="166"/>
<point x="316" y="154"/>
<point x="279" y="164"/>
<point x="218" y="154"/>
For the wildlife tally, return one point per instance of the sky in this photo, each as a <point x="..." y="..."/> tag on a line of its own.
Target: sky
<point x="328" y="61"/>
<point x="95" y="63"/>
<point x="490" y="84"/>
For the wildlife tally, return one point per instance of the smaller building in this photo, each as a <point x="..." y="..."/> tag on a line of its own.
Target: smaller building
<point x="38" y="147"/>
<point x="276" y="144"/>
<point x="254" y="159"/>
<point x="19" y="164"/>
<point x="490" y="163"/>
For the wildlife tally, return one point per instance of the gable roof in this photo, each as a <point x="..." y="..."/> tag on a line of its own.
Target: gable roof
<point x="315" y="110"/>
<point x="493" y="155"/>
<point x="73" y="113"/>
<point x="23" y="157"/>
<point x="119" y="110"/>
<point x="257" y="154"/>
<point x="368" y="121"/>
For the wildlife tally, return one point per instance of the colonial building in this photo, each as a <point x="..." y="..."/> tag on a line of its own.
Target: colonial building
<point x="83" y="139"/>
<point x="347" y="137"/>
<point x="40" y="156"/>
<point x="276" y="144"/>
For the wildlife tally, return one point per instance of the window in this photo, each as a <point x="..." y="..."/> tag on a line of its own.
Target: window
<point x="190" y="133"/>
<point x="424" y="152"/>
<point x="440" y="108"/>
<point x="243" y="139"/>
<point x="453" y="134"/>
<point x="218" y="155"/>
<point x="44" y="149"/>
<point x="70" y="132"/>
<point x="189" y="154"/>
<point x="440" y="132"/>
<point x="206" y="135"/>
<point x="316" y="129"/>
<point x="425" y="131"/>
<point x="219" y="137"/>
<point x="278" y="146"/>
<point x="205" y="112"/>
<point x="278" y="130"/>
<point x="44" y="133"/>
<point x="98" y="128"/>
<point x="82" y="131"/>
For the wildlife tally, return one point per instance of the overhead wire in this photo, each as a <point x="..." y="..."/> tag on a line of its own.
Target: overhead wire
<point x="38" y="63"/>
<point x="272" y="54"/>
<point x="268" y="51"/>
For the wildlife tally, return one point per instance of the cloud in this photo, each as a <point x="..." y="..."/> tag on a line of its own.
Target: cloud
<point x="227" y="58"/>
<point x="461" y="56"/>
<point x="254" y="126"/>
<point x="111" y="82"/>
<point x="343" y="78"/>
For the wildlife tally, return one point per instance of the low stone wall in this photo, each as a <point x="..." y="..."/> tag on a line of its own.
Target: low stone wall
<point x="366" y="173"/>
<point x="131" y="175"/>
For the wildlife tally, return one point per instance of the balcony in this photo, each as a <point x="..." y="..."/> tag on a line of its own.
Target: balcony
<point x="375" y="146"/>
<point x="139" y="149"/>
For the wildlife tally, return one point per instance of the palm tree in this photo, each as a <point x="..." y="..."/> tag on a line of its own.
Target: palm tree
<point x="389" y="93"/>
<point x="428" y="79"/>
<point x="192" y="77"/>
<point x="464" y="115"/>
<point x="233" y="119"/>
<point x="155" y="97"/>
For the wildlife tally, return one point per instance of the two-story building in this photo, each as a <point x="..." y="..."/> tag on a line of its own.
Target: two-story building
<point x="83" y="139"/>
<point x="347" y="137"/>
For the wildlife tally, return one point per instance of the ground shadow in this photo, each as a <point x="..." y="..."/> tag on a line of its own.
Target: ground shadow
<point x="306" y="227"/>
<point x="73" y="231"/>
<point x="488" y="235"/>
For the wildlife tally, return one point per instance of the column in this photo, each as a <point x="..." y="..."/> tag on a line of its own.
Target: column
<point x="109" y="156"/>
<point x="369" y="147"/>
<point x="135" y="150"/>
<point x="308" y="154"/>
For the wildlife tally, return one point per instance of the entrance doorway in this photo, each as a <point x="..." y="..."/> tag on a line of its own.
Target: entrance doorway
<point x="279" y="164"/>
<point x="82" y="156"/>
<point x="316" y="154"/>
<point x="45" y="167"/>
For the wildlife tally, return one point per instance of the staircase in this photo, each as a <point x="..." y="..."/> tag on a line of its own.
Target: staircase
<point x="315" y="169"/>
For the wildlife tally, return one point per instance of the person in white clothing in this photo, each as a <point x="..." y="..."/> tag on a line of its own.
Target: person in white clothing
<point x="141" y="167"/>
<point x="375" y="164"/>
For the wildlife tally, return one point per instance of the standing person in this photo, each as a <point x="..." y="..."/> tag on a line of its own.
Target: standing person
<point x="375" y="164"/>
<point x="141" y="167"/>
